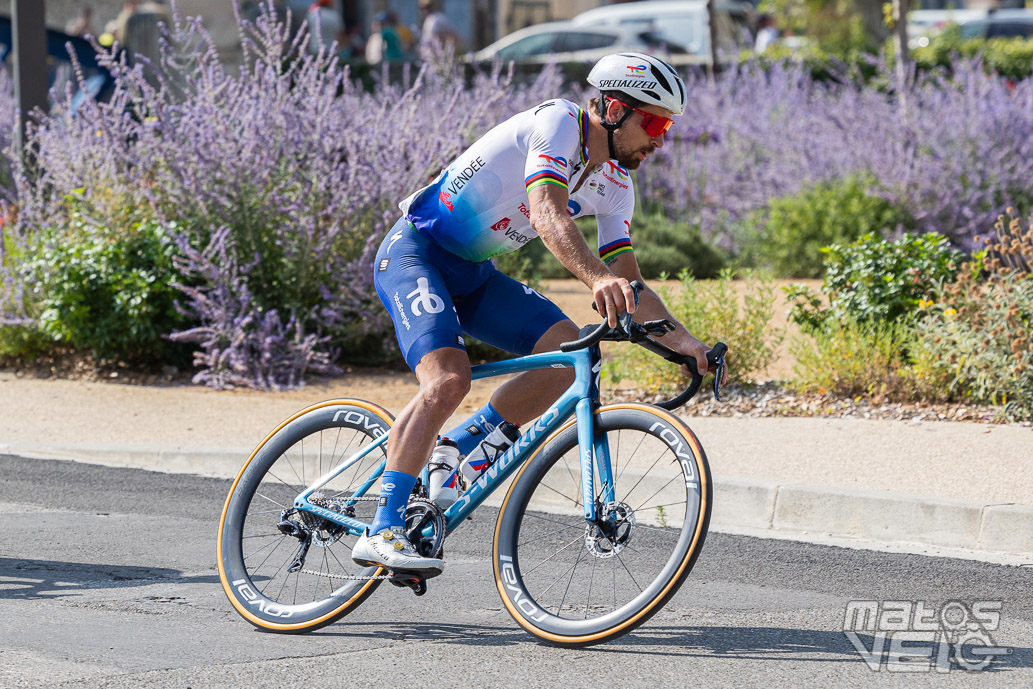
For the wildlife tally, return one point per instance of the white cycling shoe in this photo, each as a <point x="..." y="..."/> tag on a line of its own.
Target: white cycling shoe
<point x="390" y="548"/>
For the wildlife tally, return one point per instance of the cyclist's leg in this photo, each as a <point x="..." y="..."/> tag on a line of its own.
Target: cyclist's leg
<point x="528" y="395"/>
<point x="511" y="316"/>
<point x="415" y="280"/>
<point x="411" y="283"/>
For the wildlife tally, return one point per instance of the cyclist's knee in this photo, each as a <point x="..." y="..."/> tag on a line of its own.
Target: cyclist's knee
<point x="446" y="388"/>
<point x="444" y="377"/>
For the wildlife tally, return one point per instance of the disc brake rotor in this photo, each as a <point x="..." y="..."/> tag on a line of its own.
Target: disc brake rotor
<point x="605" y="542"/>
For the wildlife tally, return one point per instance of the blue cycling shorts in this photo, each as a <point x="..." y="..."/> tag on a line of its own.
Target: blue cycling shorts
<point x="434" y="297"/>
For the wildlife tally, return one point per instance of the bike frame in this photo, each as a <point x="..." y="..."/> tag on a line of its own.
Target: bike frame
<point x="580" y="400"/>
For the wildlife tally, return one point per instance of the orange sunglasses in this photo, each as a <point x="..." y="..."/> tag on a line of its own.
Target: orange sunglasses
<point x="654" y="125"/>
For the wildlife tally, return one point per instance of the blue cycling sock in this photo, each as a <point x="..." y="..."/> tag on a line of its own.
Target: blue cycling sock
<point x="395" y="488"/>
<point x="474" y="429"/>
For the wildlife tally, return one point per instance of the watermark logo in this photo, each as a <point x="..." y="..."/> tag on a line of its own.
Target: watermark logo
<point x="915" y="636"/>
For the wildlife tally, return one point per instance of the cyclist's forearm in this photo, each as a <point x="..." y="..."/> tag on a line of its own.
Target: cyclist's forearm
<point x="651" y="307"/>
<point x="561" y="237"/>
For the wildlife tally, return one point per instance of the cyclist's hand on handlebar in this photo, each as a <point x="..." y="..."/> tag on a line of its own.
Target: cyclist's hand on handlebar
<point x="698" y="351"/>
<point x="695" y="354"/>
<point x="613" y="296"/>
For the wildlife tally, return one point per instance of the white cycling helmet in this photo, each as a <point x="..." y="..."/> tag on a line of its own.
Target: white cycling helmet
<point x="643" y="77"/>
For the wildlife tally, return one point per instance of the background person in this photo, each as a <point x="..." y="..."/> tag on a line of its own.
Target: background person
<point x="767" y="34"/>
<point x="436" y="32"/>
<point x="384" y="43"/>
<point x="325" y="26"/>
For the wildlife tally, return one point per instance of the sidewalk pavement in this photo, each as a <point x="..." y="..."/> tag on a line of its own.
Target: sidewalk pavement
<point x="949" y="485"/>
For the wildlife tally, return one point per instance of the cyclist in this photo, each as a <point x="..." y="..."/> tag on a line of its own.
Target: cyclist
<point x="529" y="176"/>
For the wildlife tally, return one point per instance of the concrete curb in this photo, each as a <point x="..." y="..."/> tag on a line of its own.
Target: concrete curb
<point x="758" y="506"/>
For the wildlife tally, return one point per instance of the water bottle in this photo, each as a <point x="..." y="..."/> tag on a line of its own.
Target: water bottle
<point x="489" y="450"/>
<point x="443" y="484"/>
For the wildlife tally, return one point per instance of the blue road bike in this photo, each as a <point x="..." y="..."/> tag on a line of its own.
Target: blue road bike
<point x="606" y="512"/>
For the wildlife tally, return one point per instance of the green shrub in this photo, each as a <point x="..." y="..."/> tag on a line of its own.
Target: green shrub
<point x="847" y="358"/>
<point x="665" y="246"/>
<point x="1009" y="57"/>
<point x="798" y="227"/>
<point x="108" y="288"/>
<point x="875" y="281"/>
<point x="22" y="342"/>
<point x="712" y="311"/>
<point x="978" y="332"/>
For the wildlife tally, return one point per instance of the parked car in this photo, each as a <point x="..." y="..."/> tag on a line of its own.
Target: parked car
<point x="681" y="23"/>
<point x="569" y="42"/>
<point x="1000" y="24"/>
<point x="98" y="82"/>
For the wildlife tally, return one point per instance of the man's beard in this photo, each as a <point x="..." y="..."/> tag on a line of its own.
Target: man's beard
<point x="627" y="158"/>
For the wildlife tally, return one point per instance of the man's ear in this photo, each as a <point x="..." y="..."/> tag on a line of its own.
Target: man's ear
<point x="613" y="111"/>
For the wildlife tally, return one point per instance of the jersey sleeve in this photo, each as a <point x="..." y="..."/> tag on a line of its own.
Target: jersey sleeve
<point x="615" y="225"/>
<point x="555" y="141"/>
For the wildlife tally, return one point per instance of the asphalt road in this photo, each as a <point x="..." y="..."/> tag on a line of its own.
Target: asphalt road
<point x="108" y="579"/>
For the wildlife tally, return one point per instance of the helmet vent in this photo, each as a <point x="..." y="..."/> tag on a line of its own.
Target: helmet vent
<point x="659" y="76"/>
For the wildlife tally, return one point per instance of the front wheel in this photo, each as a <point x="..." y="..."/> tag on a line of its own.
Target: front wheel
<point x="574" y="583"/>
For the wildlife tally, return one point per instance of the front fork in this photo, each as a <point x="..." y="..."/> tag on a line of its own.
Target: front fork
<point x="594" y="446"/>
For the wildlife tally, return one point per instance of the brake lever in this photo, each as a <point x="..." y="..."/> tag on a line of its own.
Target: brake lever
<point x="718" y="375"/>
<point x="659" y="327"/>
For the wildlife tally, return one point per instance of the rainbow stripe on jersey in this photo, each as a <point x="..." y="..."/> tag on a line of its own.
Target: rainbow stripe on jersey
<point x="608" y="251"/>
<point x="545" y="177"/>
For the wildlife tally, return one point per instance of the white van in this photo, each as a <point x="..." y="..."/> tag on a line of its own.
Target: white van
<point x="682" y="23"/>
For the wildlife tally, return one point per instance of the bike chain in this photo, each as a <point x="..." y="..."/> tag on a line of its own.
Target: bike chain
<point x="343" y="577"/>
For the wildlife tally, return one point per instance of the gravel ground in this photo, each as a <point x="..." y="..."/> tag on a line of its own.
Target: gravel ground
<point x="775" y="400"/>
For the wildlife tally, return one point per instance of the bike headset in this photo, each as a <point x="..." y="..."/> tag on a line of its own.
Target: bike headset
<point x="642" y="80"/>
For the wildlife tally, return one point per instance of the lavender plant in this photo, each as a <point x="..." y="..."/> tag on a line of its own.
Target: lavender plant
<point x="960" y="151"/>
<point x="275" y="184"/>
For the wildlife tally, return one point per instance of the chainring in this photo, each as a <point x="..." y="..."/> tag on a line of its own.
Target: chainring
<point x="419" y="515"/>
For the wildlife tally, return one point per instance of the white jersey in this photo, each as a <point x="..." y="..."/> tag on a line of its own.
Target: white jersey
<point x="478" y="206"/>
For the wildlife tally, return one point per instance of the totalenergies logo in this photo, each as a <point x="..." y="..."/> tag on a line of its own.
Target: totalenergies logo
<point x="617" y="170"/>
<point x="636" y="70"/>
<point x="558" y="162"/>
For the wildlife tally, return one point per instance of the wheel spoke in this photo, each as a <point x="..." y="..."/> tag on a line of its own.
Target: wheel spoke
<point x="579" y="538"/>
<point x="673" y="479"/>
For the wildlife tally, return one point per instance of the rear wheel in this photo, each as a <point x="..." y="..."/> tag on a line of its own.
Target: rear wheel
<point x="573" y="583"/>
<point x="291" y="571"/>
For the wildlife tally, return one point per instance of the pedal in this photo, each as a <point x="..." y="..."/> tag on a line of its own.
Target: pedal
<point x="408" y="580"/>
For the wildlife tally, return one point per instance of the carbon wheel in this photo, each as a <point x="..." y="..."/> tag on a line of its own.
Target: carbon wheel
<point x="282" y="569"/>
<point x="573" y="583"/>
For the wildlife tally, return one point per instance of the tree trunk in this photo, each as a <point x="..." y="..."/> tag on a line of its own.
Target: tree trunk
<point x="712" y="28"/>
